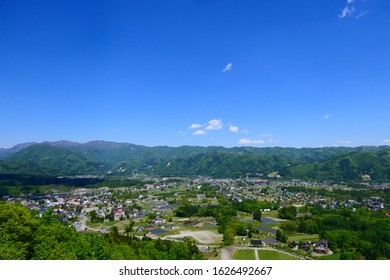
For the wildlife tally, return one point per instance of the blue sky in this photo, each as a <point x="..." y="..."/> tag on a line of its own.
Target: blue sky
<point x="208" y="72"/>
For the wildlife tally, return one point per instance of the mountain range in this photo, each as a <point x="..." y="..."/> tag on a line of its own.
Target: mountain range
<point x="65" y="158"/>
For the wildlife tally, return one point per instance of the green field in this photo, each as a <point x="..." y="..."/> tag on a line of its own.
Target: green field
<point x="244" y="255"/>
<point x="274" y="255"/>
<point x="330" y="257"/>
<point x="303" y="237"/>
<point x="271" y="214"/>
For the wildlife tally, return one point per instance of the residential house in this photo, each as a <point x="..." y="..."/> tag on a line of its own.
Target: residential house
<point x="256" y="242"/>
<point x="321" y="247"/>
<point x="119" y="214"/>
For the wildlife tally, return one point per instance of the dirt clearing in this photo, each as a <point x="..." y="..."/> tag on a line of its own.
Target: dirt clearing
<point x="204" y="237"/>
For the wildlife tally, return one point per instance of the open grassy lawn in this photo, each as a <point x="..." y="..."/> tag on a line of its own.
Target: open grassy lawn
<point x="271" y="225"/>
<point x="271" y="214"/>
<point x="303" y="237"/>
<point x="330" y="257"/>
<point x="274" y="255"/>
<point x="244" y="255"/>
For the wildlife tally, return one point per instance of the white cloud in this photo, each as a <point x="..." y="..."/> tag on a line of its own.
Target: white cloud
<point x="362" y="13"/>
<point x="233" y="129"/>
<point x="214" y="124"/>
<point x="347" y="11"/>
<point x="246" y="141"/>
<point x="266" y="135"/>
<point x="328" y="116"/>
<point x="199" y="132"/>
<point x="194" y="126"/>
<point x="353" y="7"/>
<point x="228" y="67"/>
<point x="386" y="141"/>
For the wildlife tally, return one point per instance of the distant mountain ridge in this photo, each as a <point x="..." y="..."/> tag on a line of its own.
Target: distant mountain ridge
<point x="6" y="152"/>
<point x="111" y="158"/>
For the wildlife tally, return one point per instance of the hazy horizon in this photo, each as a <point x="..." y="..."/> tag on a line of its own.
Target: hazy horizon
<point x="140" y="144"/>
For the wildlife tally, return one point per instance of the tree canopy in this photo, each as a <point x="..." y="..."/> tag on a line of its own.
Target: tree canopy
<point x="24" y="236"/>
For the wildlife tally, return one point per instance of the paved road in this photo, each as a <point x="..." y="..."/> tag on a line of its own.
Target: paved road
<point x="83" y="220"/>
<point x="226" y="253"/>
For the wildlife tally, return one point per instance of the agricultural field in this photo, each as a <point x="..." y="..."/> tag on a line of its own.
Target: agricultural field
<point x="303" y="237"/>
<point x="274" y="255"/>
<point x="244" y="255"/>
<point x="330" y="257"/>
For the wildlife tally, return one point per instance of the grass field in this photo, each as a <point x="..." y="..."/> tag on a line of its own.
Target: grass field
<point x="330" y="257"/>
<point x="303" y="237"/>
<point x="271" y="214"/>
<point x="244" y="255"/>
<point x="274" y="255"/>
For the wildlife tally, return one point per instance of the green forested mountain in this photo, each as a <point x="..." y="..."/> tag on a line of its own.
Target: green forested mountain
<point x="60" y="161"/>
<point x="100" y="158"/>
<point x="223" y="164"/>
<point x="350" y="166"/>
<point x="4" y="152"/>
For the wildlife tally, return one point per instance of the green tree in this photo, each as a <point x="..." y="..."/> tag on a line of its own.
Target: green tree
<point x="280" y="236"/>
<point x="289" y="226"/>
<point x="129" y="227"/>
<point x="228" y="236"/>
<point x="257" y="215"/>
<point x="289" y="212"/>
<point x="17" y="226"/>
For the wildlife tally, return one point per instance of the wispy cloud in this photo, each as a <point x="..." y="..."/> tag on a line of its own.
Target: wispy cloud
<point x="387" y="141"/>
<point x="228" y="67"/>
<point x="328" y="116"/>
<point x="233" y="129"/>
<point x="194" y="126"/>
<point x="214" y="124"/>
<point x="347" y="11"/>
<point x="266" y="135"/>
<point x="269" y="138"/>
<point x="362" y="13"/>
<point x="199" y="132"/>
<point x="246" y="141"/>
<point x="353" y="8"/>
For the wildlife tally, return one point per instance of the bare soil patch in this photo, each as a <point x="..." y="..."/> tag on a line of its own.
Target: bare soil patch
<point x="204" y="236"/>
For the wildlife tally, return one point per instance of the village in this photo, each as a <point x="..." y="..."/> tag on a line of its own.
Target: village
<point x="150" y="210"/>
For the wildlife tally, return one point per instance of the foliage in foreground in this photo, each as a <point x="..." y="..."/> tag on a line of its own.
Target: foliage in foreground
<point x="24" y="236"/>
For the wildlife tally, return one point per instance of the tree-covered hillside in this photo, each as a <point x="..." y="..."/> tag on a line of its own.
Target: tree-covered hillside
<point x="123" y="159"/>
<point x="61" y="161"/>
<point x="347" y="167"/>
<point x="222" y="164"/>
<point x="24" y="236"/>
